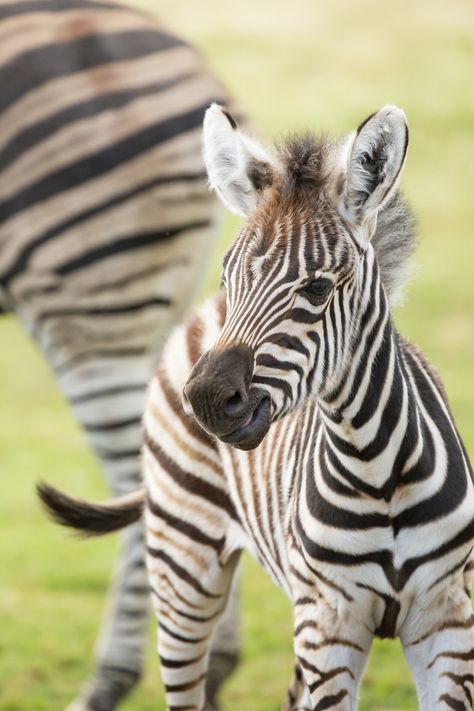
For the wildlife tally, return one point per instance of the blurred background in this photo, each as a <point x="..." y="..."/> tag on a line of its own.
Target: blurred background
<point x="298" y="65"/>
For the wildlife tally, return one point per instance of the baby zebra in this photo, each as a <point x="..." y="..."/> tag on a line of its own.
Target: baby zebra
<point x="310" y="433"/>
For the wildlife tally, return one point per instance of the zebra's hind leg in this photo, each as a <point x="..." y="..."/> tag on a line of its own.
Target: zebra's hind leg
<point x="120" y="647"/>
<point x="441" y="656"/>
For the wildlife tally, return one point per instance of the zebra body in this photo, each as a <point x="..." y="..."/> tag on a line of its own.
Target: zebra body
<point x="347" y="478"/>
<point x="374" y="591"/>
<point x="106" y="226"/>
<point x="289" y="418"/>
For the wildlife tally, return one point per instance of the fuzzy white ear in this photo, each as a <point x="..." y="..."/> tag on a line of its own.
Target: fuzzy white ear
<point x="237" y="166"/>
<point x="375" y="162"/>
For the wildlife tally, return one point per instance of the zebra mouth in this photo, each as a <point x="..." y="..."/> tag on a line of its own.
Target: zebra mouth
<point x="253" y="428"/>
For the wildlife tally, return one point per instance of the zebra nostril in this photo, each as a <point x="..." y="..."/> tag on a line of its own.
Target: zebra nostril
<point x="235" y="405"/>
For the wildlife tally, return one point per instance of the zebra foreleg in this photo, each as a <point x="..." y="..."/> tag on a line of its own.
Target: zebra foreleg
<point x="332" y="654"/>
<point x="187" y="609"/>
<point x="442" y="656"/>
<point x="297" y="698"/>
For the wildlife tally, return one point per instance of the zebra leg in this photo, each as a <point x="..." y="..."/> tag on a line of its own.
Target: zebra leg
<point x="187" y="609"/>
<point x="225" y="646"/>
<point x="117" y="440"/>
<point x="441" y="657"/>
<point x="120" y="647"/>
<point x="297" y="698"/>
<point x="332" y="654"/>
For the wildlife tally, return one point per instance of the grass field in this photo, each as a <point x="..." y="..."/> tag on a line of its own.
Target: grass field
<point x="292" y="65"/>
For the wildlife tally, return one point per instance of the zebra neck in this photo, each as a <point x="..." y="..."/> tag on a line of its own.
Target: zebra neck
<point x="364" y="444"/>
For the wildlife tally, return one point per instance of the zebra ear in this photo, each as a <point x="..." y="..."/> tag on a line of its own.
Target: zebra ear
<point x="237" y="166"/>
<point x="375" y="162"/>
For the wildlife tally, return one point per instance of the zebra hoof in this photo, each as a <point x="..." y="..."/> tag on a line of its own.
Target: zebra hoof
<point x="106" y="690"/>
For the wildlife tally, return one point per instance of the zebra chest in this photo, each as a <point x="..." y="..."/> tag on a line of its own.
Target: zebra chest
<point x="374" y="562"/>
<point x="263" y="510"/>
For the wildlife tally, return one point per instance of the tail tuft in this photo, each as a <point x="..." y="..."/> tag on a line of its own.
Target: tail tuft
<point x="91" y="519"/>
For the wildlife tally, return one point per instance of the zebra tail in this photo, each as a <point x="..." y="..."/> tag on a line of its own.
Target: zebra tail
<point x="91" y="519"/>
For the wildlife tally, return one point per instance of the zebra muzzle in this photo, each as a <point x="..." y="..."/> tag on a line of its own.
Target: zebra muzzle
<point x="220" y="396"/>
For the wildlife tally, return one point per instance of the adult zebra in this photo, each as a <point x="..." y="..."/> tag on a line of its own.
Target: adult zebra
<point x="326" y="444"/>
<point x="106" y="224"/>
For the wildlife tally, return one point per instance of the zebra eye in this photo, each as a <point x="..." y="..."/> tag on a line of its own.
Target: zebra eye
<point x="318" y="290"/>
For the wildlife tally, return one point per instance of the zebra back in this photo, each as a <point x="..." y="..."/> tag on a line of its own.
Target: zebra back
<point x="106" y="219"/>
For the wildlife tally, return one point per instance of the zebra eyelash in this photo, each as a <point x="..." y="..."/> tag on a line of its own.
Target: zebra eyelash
<point x="317" y="290"/>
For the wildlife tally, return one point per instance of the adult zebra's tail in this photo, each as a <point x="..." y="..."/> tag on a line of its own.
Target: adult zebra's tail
<point x="88" y="518"/>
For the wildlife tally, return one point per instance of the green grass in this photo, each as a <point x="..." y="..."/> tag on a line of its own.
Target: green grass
<point x="292" y="65"/>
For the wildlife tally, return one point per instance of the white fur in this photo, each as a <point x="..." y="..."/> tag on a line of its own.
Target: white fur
<point x="227" y="153"/>
<point x="386" y="130"/>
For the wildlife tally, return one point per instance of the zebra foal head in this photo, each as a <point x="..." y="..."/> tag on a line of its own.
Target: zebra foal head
<point x="303" y="270"/>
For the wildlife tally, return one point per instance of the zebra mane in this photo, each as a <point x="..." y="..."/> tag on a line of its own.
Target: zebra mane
<point x="308" y="163"/>
<point x="394" y="242"/>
